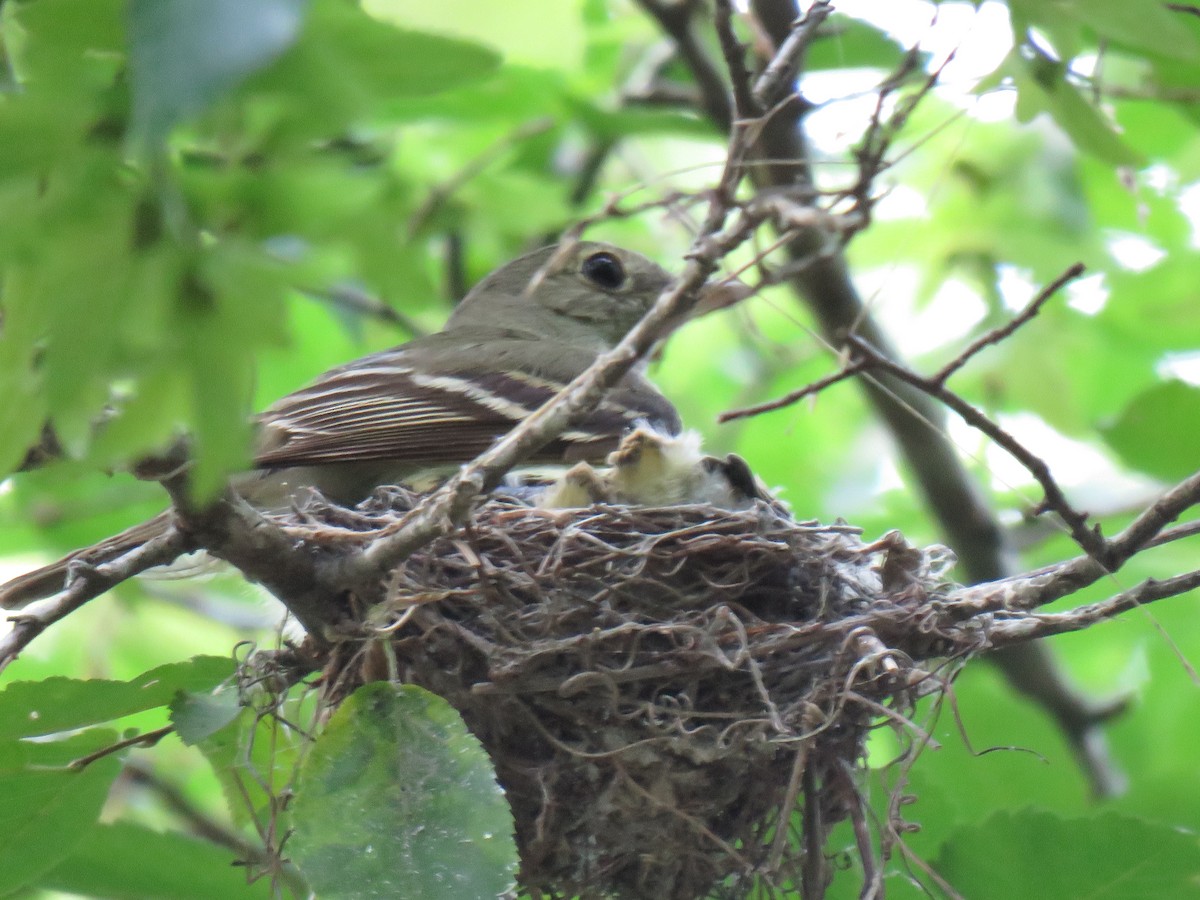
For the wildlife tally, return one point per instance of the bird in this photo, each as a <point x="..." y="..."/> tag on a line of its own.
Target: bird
<point x="439" y="400"/>
<point x="654" y="468"/>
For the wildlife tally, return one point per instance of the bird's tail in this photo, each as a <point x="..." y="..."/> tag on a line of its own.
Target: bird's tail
<point x="51" y="579"/>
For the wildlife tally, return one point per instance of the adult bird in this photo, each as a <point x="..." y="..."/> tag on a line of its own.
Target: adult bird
<point x="440" y="400"/>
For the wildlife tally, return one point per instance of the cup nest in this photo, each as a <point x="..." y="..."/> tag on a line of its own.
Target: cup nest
<point x="659" y="688"/>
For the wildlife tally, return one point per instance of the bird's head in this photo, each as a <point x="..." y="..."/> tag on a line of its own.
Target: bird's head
<point x="587" y="293"/>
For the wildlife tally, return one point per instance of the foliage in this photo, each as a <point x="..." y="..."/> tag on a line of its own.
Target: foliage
<point x="188" y="200"/>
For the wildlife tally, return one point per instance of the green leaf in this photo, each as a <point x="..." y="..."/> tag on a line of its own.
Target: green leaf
<point x="197" y="716"/>
<point x="47" y="811"/>
<point x="1148" y="27"/>
<point x="183" y="55"/>
<point x="227" y="307"/>
<point x="397" y="797"/>
<point x="30" y="708"/>
<point x="1042" y="87"/>
<point x="346" y="65"/>
<point x="132" y="862"/>
<point x="1156" y="432"/>
<point x="846" y="43"/>
<point x="520" y="30"/>
<point x="1095" y="370"/>
<point x="1157" y="306"/>
<point x="246" y="758"/>
<point x="1038" y="854"/>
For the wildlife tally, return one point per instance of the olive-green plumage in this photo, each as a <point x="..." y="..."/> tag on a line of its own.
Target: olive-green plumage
<point x="435" y="402"/>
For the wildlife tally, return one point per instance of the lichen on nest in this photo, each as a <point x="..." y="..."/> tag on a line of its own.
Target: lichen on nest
<point x="658" y="688"/>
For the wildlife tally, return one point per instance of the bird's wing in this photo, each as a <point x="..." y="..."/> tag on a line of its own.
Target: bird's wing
<point x="399" y="406"/>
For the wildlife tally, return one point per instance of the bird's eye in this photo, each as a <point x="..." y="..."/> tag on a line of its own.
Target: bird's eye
<point x="604" y="270"/>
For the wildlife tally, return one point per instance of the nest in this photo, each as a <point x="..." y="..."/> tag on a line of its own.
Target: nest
<point x="660" y="688"/>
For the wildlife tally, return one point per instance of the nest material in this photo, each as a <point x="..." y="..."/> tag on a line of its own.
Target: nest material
<point x="659" y="688"/>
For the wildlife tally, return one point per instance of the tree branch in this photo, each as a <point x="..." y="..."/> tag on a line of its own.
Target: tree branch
<point x="915" y="421"/>
<point x="86" y="582"/>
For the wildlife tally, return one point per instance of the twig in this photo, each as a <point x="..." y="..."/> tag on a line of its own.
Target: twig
<point x="1028" y="627"/>
<point x="745" y="106"/>
<point x="146" y="739"/>
<point x="88" y="582"/>
<point x="849" y="371"/>
<point x="675" y="18"/>
<point x="1090" y="540"/>
<point x="359" y="301"/>
<point x="1186" y="8"/>
<point x="779" y="73"/>
<point x="473" y="167"/>
<point x="201" y="824"/>
<point x="788" y="808"/>
<point x="1178" y="533"/>
<point x="1165" y="510"/>
<point x="996" y="335"/>
<point x="871" y="152"/>
<point x="812" y="837"/>
<point x="1034" y="589"/>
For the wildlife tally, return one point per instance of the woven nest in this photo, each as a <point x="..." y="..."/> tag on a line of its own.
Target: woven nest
<point x="659" y="689"/>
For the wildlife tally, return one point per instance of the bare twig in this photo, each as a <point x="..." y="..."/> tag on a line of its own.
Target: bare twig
<point x="1029" y="627"/>
<point x="745" y="106"/>
<point x="86" y="583"/>
<point x="362" y="303"/>
<point x="1165" y="510"/>
<point x="146" y="739"/>
<point x="777" y="78"/>
<point x="1178" y="533"/>
<point x="1076" y="522"/>
<point x="473" y="167"/>
<point x="200" y="823"/>
<point x="676" y="20"/>
<point x="848" y="371"/>
<point x="1034" y="589"/>
<point x="996" y="335"/>
<point x="1186" y="8"/>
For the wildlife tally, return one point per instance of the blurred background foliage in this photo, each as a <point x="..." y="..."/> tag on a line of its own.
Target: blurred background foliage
<point x="204" y="205"/>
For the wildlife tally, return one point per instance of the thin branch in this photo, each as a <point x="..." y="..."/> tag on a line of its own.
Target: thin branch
<point x="473" y="167"/>
<point x="359" y="301"/>
<point x="146" y="739"/>
<point x="210" y="829"/>
<point x="1035" y="589"/>
<point x="934" y="386"/>
<point x="675" y="19"/>
<point x="1090" y="540"/>
<point x="996" y="335"/>
<point x="849" y="371"/>
<point x="745" y="106"/>
<point x="1029" y="627"/>
<point x="1165" y="510"/>
<point x="813" y="876"/>
<point x="1185" y="8"/>
<point x="1178" y="533"/>
<point x="86" y="583"/>
<point x="778" y="78"/>
<point x="201" y="824"/>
